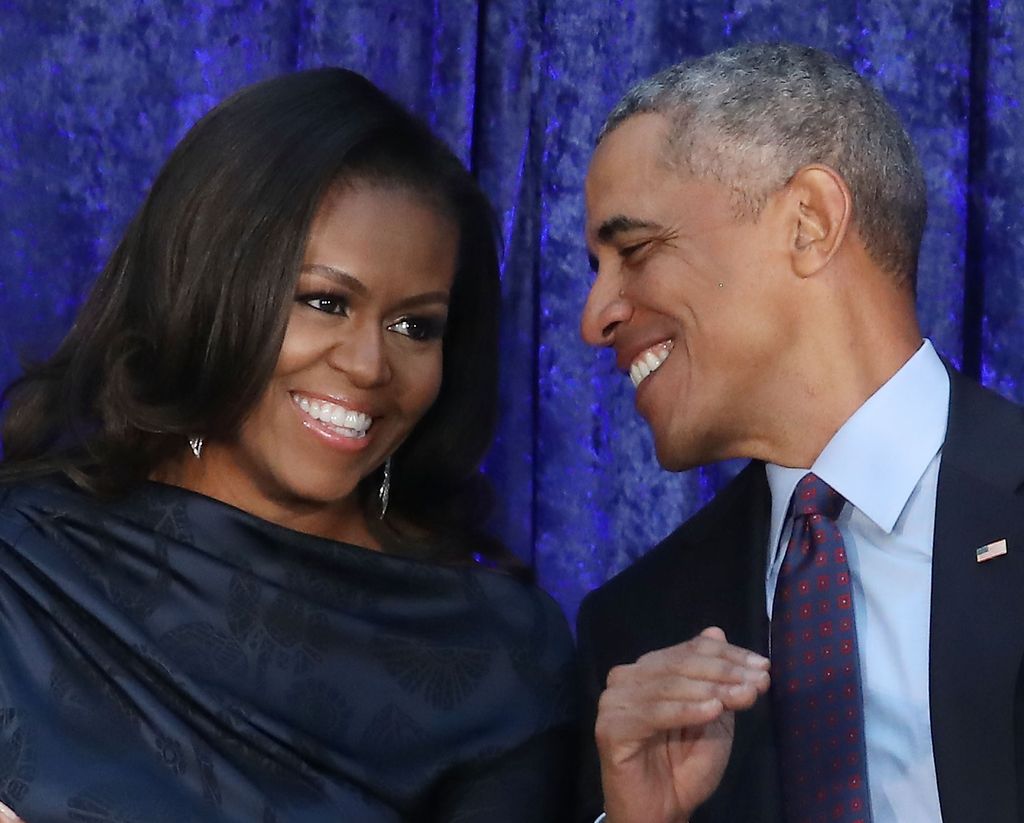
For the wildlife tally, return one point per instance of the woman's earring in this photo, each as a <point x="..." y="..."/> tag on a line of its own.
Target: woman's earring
<point x="385" y="488"/>
<point x="196" y="443"/>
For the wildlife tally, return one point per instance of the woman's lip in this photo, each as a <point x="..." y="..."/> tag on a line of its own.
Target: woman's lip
<point x="328" y="435"/>
<point x="333" y="399"/>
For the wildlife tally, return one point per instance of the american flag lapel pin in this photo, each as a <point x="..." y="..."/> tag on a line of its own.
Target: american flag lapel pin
<point x="994" y="549"/>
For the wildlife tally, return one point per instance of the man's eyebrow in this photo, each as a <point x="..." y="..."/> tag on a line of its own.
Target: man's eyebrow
<point x="620" y="223"/>
<point x="342" y="277"/>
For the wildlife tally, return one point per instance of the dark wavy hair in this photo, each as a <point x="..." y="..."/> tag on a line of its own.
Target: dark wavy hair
<point x="182" y="329"/>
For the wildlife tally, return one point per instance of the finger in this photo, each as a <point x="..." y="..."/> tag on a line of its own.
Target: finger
<point x="707" y="644"/>
<point x="716" y="670"/>
<point x="714" y="632"/>
<point x="648" y="690"/>
<point x="674" y="714"/>
<point x="8" y="816"/>
<point x="747" y="657"/>
<point x="733" y="695"/>
<point x="695" y="662"/>
<point x="633" y="724"/>
<point x="638" y="712"/>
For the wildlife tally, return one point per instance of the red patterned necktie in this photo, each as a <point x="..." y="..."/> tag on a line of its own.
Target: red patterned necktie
<point x="816" y="689"/>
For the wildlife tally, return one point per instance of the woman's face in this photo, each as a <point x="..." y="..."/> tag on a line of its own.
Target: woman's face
<point x="359" y="366"/>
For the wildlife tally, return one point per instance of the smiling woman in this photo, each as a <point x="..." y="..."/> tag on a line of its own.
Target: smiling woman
<point x="360" y="364"/>
<point x="240" y="505"/>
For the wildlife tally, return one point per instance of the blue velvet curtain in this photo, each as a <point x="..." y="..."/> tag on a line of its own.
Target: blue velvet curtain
<point x="96" y="92"/>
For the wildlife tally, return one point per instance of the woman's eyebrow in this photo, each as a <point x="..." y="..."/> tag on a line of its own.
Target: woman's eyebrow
<point x="343" y="277"/>
<point x="425" y="299"/>
<point x="356" y="286"/>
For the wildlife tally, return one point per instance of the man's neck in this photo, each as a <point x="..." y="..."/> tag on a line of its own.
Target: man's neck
<point x="823" y="392"/>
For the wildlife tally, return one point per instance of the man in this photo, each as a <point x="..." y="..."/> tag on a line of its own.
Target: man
<point x="754" y="219"/>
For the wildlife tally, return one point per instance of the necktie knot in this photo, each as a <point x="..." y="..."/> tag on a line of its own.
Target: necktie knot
<point x="814" y="496"/>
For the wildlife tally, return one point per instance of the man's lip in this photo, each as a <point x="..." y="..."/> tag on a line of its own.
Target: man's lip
<point x="624" y="358"/>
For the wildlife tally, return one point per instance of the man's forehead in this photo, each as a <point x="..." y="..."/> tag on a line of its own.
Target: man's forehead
<point x="624" y="172"/>
<point x="637" y="141"/>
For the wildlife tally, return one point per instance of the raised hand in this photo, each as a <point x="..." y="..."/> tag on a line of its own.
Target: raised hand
<point x="665" y="726"/>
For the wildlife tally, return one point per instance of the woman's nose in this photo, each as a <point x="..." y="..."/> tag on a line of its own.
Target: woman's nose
<point x="361" y="353"/>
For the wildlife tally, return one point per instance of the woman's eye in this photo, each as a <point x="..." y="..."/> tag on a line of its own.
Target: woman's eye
<point x="326" y="303"/>
<point x="419" y="328"/>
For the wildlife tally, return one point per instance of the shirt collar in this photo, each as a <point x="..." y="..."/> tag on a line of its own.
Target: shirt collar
<point x="907" y="418"/>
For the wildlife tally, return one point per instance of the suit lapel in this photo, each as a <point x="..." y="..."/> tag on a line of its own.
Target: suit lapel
<point x="750" y="786"/>
<point x="977" y="610"/>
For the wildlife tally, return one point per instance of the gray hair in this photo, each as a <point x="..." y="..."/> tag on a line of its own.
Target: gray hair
<point x="751" y="116"/>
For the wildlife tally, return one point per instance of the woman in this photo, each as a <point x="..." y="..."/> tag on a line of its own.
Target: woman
<point x="240" y="505"/>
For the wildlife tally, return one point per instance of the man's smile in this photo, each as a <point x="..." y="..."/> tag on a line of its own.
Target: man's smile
<point x="649" y="361"/>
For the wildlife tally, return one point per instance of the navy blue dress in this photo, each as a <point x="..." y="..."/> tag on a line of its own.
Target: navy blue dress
<point x="167" y="658"/>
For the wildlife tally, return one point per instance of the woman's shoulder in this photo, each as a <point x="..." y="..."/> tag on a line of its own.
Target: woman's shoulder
<point x="521" y="607"/>
<point x="529" y="624"/>
<point x="49" y="494"/>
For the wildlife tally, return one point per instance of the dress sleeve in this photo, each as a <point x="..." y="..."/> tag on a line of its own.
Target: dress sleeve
<point x="532" y="779"/>
<point x="533" y="783"/>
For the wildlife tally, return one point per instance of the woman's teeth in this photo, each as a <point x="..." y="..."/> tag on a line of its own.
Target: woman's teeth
<point x="649" y="362"/>
<point x="342" y="421"/>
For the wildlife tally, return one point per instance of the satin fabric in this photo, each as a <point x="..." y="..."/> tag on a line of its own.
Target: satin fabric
<point x="166" y="657"/>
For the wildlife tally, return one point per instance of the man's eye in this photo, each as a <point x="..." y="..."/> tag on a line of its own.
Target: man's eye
<point x="630" y="251"/>
<point x="419" y="328"/>
<point x="325" y="303"/>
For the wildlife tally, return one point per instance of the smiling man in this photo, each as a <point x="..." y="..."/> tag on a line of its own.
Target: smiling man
<point x="807" y="647"/>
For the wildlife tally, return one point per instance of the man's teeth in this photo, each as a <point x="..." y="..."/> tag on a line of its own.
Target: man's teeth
<point x="343" y="421"/>
<point x="648" y="362"/>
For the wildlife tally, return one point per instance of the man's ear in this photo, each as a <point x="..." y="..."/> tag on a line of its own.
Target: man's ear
<point x="823" y="209"/>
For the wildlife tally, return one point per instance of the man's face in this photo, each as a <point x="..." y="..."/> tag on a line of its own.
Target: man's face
<point x="692" y="298"/>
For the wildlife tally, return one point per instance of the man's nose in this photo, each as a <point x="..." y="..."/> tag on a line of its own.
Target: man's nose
<point x="605" y="309"/>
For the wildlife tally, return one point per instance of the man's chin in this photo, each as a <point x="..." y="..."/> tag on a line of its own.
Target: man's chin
<point x="678" y="457"/>
<point x="679" y="451"/>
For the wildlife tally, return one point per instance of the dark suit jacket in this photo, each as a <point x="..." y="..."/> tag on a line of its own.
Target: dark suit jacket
<point x="711" y="571"/>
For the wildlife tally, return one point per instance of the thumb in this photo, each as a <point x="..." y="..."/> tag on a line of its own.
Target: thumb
<point x="714" y="633"/>
<point x="7" y="816"/>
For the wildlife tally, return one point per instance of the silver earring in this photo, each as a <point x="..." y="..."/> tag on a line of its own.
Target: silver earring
<point x="385" y="488"/>
<point x="196" y="443"/>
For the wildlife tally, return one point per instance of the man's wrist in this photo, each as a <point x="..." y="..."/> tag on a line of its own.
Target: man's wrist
<point x="603" y="818"/>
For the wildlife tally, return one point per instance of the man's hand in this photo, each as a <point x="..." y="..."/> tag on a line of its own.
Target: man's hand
<point x="665" y="726"/>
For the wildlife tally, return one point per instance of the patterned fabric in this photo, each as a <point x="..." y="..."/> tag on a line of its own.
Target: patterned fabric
<point x="816" y="691"/>
<point x="170" y="658"/>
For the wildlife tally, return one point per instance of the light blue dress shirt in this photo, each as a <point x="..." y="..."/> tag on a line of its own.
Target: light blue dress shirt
<point x="885" y="462"/>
